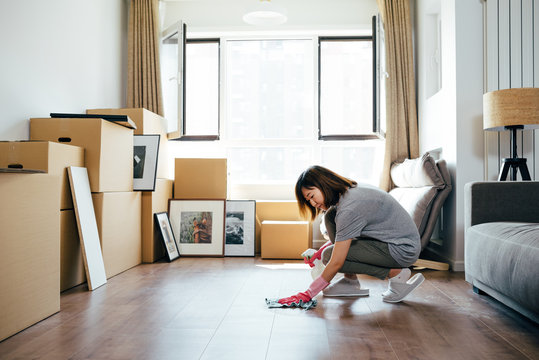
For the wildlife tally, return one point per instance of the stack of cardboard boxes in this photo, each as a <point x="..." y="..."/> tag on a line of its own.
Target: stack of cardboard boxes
<point x="147" y="123"/>
<point x="109" y="160"/>
<point x="38" y="231"/>
<point x="39" y="245"/>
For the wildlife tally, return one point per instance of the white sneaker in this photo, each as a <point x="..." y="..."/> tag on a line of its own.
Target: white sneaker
<point x="398" y="290"/>
<point x="345" y="287"/>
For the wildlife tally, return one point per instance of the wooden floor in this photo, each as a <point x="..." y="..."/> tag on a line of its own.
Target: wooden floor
<point x="214" y="309"/>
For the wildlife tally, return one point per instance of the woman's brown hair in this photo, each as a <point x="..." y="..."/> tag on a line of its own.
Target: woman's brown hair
<point x="332" y="186"/>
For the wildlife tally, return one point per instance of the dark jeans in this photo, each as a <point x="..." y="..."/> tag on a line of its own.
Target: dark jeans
<point x="365" y="256"/>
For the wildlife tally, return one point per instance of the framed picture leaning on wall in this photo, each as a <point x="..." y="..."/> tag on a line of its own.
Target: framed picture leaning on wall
<point x="198" y="226"/>
<point x="162" y="224"/>
<point x="240" y="228"/>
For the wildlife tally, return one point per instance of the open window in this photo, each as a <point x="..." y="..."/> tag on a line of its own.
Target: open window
<point x="380" y="74"/>
<point x="173" y="44"/>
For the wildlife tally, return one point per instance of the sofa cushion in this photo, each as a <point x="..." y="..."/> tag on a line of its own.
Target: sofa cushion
<point x="417" y="202"/>
<point x="503" y="256"/>
<point x="417" y="173"/>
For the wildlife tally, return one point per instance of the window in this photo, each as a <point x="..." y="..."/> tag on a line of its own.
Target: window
<point x="346" y="93"/>
<point x="285" y="104"/>
<point x="269" y="88"/>
<point x="201" y="90"/>
<point x="173" y="77"/>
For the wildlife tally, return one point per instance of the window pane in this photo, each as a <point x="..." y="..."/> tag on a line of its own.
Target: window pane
<point x="362" y="162"/>
<point x="346" y="88"/>
<point x="202" y="89"/>
<point x="169" y="80"/>
<point x="252" y="165"/>
<point x="269" y="89"/>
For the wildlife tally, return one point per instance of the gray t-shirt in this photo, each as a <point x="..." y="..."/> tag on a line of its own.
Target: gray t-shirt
<point x="367" y="211"/>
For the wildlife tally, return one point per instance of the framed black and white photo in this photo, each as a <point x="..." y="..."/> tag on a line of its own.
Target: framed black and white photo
<point x="145" y="155"/>
<point x="198" y="226"/>
<point x="162" y="224"/>
<point x="240" y="228"/>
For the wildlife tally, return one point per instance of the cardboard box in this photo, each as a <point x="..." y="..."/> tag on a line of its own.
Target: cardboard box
<point x="108" y="148"/>
<point x="154" y="202"/>
<point x="278" y="210"/>
<point x="200" y="178"/>
<point x="29" y="250"/>
<point x="50" y="157"/>
<point x="118" y="216"/>
<point x="284" y="239"/>
<point x="147" y="123"/>
<point x="72" y="272"/>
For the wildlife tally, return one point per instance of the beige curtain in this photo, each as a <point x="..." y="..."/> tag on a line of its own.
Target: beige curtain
<point x="402" y="140"/>
<point x="143" y="69"/>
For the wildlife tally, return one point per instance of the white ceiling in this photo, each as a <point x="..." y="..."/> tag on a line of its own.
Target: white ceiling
<point x="219" y="15"/>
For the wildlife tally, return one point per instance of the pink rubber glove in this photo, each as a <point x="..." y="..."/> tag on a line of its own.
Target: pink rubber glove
<point x="316" y="255"/>
<point x="295" y="298"/>
<point x="316" y="286"/>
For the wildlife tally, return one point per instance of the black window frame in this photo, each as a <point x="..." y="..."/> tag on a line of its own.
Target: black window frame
<point x="375" y="122"/>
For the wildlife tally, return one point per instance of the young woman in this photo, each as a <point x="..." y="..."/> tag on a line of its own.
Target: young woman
<point x="370" y="233"/>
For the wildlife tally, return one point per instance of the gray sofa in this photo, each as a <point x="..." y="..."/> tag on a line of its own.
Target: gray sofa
<point x="502" y="242"/>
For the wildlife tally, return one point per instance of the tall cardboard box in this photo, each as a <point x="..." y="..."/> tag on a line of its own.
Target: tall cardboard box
<point x="147" y="123"/>
<point x="118" y="216"/>
<point x="108" y="148"/>
<point x="72" y="272"/>
<point x="284" y="239"/>
<point x="200" y="178"/>
<point x="29" y="250"/>
<point x="154" y="202"/>
<point x="51" y="157"/>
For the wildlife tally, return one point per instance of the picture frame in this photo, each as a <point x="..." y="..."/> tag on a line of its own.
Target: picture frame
<point x="240" y="228"/>
<point x="145" y="157"/>
<point x="163" y="227"/>
<point x="198" y="226"/>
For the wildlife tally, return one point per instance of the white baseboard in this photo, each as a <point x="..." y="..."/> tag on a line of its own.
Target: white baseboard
<point x="317" y="243"/>
<point x="454" y="265"/>
<point x="457" y="265"/>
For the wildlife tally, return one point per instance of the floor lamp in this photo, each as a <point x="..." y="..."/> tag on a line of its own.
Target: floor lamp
<point x="513" y="110"/>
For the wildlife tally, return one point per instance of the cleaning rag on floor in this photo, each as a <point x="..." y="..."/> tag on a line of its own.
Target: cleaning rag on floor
<point x="274" y="303"/>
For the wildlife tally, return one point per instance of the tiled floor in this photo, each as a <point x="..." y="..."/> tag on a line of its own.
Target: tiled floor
<point x="200" y="308"/>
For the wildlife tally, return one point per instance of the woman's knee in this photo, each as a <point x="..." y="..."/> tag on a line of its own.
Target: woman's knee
<point x="326" y="254"/>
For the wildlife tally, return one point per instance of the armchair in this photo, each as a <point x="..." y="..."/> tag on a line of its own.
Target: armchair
<point x="422" y="186"/>
<point x="501" y="240"/>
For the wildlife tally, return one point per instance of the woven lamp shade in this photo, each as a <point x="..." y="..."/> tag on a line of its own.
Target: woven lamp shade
<point x="511" y="107"/>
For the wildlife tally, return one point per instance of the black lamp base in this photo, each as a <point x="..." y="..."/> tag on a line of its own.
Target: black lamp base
<point x="515" y="164"/>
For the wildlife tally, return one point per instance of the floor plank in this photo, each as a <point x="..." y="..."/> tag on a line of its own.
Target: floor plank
<point x="207" y="308"/>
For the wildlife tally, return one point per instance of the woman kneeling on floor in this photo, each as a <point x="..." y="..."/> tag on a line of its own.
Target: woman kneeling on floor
<point x="370" y="233"/>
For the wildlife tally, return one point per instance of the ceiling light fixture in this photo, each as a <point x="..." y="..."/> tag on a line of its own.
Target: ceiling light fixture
<point x="265" y="13"/>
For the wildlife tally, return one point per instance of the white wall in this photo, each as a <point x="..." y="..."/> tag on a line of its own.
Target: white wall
<point x="451" y="120"/>
<point x="512" y="48"/>
<point x="60" y="56"/>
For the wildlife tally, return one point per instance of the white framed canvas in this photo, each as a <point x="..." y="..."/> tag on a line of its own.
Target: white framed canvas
<point x="198" y="226"/>
<point x="87" y="227"/>
<point x="240" y="228"/>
